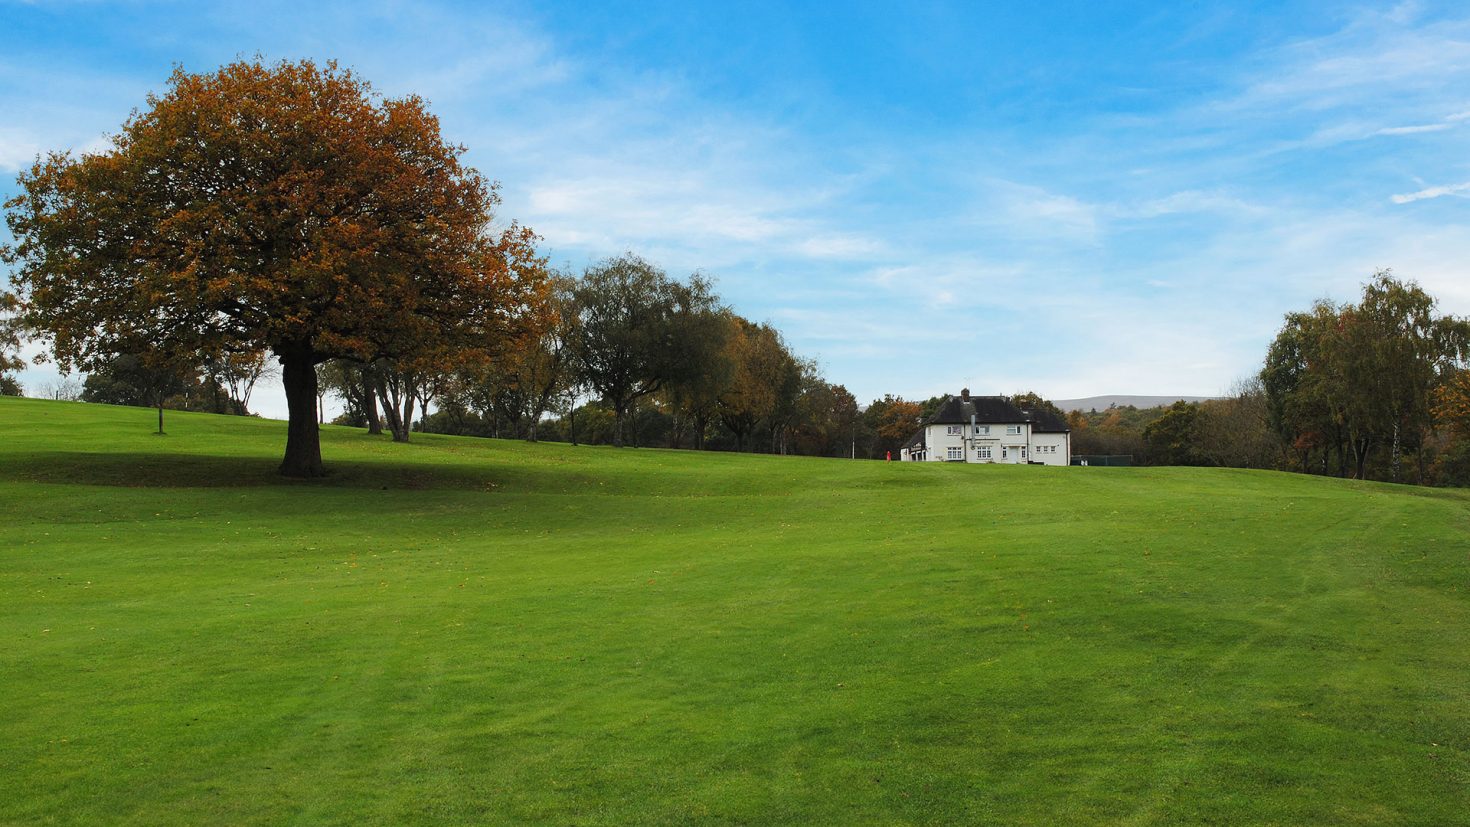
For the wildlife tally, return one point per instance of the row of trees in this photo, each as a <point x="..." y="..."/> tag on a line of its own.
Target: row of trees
<point x="1377" y="389"/>
<point x="1368" y="389"/>
<point x="1228" y="432"/>
<point x="639" y="357"/>
<point x="221" y="385"/>
<point x="288" y="213"/>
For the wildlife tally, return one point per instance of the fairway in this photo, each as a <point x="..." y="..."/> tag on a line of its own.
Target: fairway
<point x="486" y="631"/>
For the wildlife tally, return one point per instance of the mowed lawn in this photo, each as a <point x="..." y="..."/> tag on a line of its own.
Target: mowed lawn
<point x="485" y="631"/>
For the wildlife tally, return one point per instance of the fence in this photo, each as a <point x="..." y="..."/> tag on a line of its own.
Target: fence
<point x="1102" y="459"/>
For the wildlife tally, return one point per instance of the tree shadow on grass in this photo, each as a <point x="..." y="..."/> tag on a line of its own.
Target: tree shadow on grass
<point x="150" y="470"/>
<point x="521" y="474"/>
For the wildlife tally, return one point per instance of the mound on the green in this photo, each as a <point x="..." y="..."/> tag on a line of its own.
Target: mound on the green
<point x="480" y="631"/>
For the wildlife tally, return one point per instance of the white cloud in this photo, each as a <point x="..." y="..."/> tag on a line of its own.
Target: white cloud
<point x="17" y="150"/>
<point x="1188" y="201"/>
<point x="1413" y="130"/>
<point x="846" y="246"/>
<point x="1430" y="192"/>
<point x="1030" y="211"/>
<point x="1048" y="213"/>
<point x="1317" y="92"/>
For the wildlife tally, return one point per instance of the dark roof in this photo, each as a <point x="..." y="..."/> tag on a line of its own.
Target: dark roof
<point x="989" y="410"/>
<point x="916" y="442"/>
<point x="1046" y="422"/>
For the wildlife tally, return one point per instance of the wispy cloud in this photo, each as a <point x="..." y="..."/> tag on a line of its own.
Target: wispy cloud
<point x="1431" y="192"/>
<point x="17" y="150"/>
<point x="1034" y="211"/>
<point x="1413" y="130"/>
<point x="1187" y="202"/>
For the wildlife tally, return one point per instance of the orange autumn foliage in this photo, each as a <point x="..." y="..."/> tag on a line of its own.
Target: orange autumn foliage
<point x="282" y="207"/>
<point x="1452" y="403"/>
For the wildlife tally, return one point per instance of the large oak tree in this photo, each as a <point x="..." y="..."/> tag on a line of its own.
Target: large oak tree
<point x="283" y="207"/>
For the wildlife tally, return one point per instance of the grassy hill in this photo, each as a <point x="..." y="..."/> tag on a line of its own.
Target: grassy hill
<point x="478" y="631"/>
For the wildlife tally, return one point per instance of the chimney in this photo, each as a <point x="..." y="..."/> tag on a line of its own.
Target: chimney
<point x="964" y="394"/>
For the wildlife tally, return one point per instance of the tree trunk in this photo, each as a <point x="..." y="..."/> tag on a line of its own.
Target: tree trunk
<point x="391" y="398"/>
<point x="1398" y="455"/>
<point x="160" y="413"/>
<point x="408" y="400"/>
<point x="394" y="420"/>
<point x="370" y="401"/>
<point x="303" y="437"/>
<point x="700" y="424"/>
<point x="1360" y="457"/>
<point x="620" y="411"/>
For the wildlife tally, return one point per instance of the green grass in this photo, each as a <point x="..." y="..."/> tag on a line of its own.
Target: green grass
<point x="482" y="631"/>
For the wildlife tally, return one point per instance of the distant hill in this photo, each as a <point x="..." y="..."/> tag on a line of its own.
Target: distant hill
<point x="1102" y="403"/>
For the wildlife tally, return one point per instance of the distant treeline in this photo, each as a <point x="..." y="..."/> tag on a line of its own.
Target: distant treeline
<point x="1374" y="390"/>
<point x="629" y="356"/>
<point x="221" y="385"/>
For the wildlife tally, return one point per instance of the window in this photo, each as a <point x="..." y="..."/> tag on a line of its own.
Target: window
<point x="956" y="453"/>
<point x="981" y="430"/>
<point x="955" y="430"/>
<point x="1013" y="429"/>
<point x="1003" y="453"/>
<point x="1023" y="452"/>
<point x="982" y="452"/>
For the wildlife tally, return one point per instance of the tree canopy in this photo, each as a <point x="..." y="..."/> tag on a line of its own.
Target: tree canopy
<point x="1349" y="380"/>
<point x="9" y="345"/>
<point x="628" y="336"/>
<point x="283" y="207"/>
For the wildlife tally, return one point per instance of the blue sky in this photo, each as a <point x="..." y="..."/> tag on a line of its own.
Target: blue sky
<point x="1084" y="199"/>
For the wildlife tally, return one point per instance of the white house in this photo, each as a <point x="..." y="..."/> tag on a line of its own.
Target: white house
<point x="990" y="429"/>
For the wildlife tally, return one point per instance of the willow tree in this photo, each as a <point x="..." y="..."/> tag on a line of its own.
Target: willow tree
<point x="283" y="207"/>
